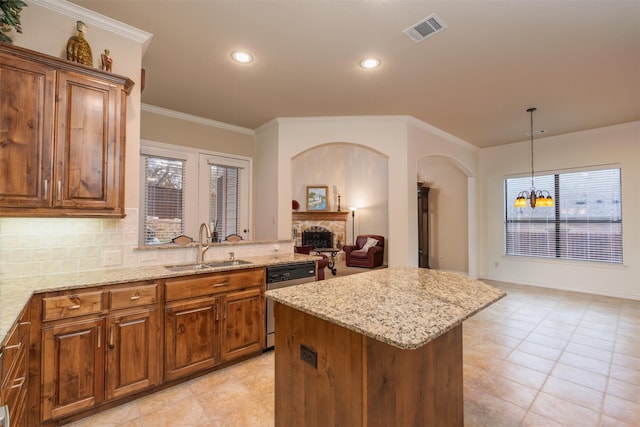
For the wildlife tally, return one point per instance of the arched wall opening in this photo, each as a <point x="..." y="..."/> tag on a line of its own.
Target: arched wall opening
<point x="356" y="172"/>
<point x="449" y="220"/>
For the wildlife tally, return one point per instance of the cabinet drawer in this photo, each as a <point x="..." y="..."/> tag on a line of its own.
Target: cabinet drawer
<point x="133" y="296"/>
<point x="71" y="305"/>
<point x="200" y="285"/>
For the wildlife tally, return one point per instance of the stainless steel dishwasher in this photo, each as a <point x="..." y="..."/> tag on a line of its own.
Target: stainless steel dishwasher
<point x="281" y="276"/>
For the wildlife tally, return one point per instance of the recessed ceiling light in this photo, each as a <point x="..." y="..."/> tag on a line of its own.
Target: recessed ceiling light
<point x="242" y="57"/>
<point x="370" y="63"/>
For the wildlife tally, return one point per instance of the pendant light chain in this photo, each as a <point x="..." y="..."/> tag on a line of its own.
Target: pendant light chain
<point x="531" y="110"/>
<point x="536" y="198"/>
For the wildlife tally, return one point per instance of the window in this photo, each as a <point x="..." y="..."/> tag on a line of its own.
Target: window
<point x="163" y="199"/>
<point x="584" y="224"/>
<point x="183" y="187"/>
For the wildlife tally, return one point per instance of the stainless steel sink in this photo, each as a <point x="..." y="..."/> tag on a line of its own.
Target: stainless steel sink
<point x="205" y="266"/>
<point x="227" y="263"/>
<point x="186" y="267"/>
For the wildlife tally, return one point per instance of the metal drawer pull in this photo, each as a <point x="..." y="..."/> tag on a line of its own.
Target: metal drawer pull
<point x="20" y="384"/>
<point x="11" y="347"/>
<point x="111" y="345"/>
<point x="135" y="297"/>
<point x="74" y="307"/>
<point x="225" y="283"/>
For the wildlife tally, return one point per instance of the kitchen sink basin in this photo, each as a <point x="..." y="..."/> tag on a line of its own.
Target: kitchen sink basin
<point x="227" y="263"/>
<point x="186" y="267"/>
<point x="205" y="266"/>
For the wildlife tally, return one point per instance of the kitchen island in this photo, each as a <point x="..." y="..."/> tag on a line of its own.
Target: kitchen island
<point x="379" y="348"/>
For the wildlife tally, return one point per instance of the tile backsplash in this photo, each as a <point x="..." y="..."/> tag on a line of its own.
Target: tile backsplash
<point x="36" y="246"/>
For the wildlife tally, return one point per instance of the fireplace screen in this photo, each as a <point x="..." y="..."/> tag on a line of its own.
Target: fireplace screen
<point x="317" y="237"/>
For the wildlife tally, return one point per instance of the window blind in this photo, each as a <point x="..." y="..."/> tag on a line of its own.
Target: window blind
<point x="163" y="199"/>
<point x="224" y="199"/>
<point x="584" y="224"/>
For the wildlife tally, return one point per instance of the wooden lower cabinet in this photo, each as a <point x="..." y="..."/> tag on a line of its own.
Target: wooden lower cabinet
<point x="192" y="334"/>
<point x="98" y="345"/>
<point x="212" y="319"/>
<point x="133" y="353"/>
<point x="72" y="363"/>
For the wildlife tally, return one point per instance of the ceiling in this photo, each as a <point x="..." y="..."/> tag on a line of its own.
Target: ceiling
<point x="578" y="62"/>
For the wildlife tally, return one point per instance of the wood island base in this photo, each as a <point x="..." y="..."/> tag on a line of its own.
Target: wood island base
<point x="360" y="381"/>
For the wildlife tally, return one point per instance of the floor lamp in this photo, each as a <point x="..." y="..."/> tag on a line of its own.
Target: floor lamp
<point x="353" y="210"/>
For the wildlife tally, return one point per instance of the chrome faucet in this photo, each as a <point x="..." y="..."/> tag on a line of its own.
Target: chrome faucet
<point x="203" y="244"/>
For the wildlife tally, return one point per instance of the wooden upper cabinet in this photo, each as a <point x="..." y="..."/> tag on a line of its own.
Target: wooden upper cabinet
<point x="26" y="130"/>
<point x="86" y="151"/>
<point x="62" y="137"/>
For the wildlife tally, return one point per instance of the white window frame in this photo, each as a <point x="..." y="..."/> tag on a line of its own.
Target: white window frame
<point x="196" y="211"/>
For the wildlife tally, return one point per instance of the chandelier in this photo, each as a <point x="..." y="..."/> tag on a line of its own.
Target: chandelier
<point x="539" y="198"/>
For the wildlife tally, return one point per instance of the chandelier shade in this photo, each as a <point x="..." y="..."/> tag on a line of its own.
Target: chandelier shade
<point x="534" y="198"/>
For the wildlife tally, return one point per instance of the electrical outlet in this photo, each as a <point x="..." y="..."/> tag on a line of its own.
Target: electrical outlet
<point x="309" y="356"/>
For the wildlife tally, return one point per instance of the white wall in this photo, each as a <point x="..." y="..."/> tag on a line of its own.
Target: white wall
<point x="426" y="142"/>
<point x="612" y="145"/>
<point x="448" y="213"/>
<point x="402" y="140"/>
<point x="358" y="173"/>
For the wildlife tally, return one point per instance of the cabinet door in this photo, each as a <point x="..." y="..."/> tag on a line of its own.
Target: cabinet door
<point x="243" y="324"/>
<point x="87" y="151"/>
<point x="72" y="367"/>
<point x="192" y="336"/>
<point x="26" y="133"/>
<point x="133" y="346"/>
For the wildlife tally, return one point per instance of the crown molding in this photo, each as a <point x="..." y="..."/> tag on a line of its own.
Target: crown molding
<point x="95" y="19"/>
<point x="196" y="119"/>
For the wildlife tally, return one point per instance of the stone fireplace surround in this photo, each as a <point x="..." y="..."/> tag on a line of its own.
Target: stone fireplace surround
<point x="336" y="222"/>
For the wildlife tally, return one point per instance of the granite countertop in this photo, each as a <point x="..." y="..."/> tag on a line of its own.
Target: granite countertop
<point x="15" y="293"/>
<point x="405" y="307"/>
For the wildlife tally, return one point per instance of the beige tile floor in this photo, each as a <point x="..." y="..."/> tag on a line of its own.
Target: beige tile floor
<point x="538" y="357"/>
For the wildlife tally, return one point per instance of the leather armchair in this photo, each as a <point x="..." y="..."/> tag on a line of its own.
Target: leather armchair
<point x="373" y="257"/>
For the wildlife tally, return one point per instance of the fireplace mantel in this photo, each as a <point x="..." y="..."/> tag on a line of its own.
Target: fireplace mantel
<point x="320" y="216"/>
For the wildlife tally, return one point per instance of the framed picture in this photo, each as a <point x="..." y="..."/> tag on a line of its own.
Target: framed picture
<point x="318" y="198"/>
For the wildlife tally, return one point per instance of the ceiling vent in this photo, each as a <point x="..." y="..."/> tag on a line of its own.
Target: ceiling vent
<point x="425" y="28"/>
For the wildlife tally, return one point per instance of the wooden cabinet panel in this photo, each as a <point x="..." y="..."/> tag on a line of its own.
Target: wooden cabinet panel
<point x="133" y="350"/>
<point x="72" y="379"/>
<point x="192" y="336"/>
<point x="26" y="111"/>
<point x="65" y="306"/>
<point x="243" y="323"/>
<point x="86" y="143"/>
<point x="209" y="284"/>
<point x="133" y="296"/>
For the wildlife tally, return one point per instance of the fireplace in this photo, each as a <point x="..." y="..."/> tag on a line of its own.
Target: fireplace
<point x="317" y="237"/>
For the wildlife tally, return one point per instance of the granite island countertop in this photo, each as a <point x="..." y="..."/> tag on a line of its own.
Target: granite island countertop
<point x="405" y="307"/>
<point x="15" y="293"/>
